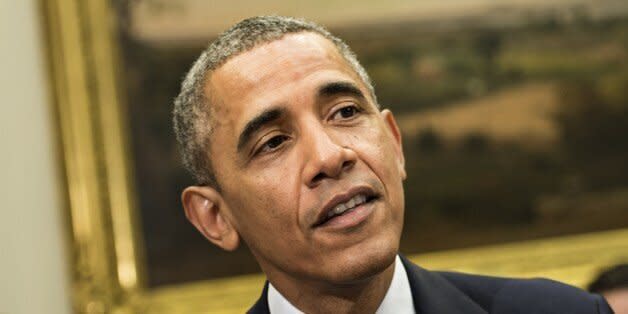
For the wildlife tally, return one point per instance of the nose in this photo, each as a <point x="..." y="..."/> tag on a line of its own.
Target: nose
<point x="326" y="157"/>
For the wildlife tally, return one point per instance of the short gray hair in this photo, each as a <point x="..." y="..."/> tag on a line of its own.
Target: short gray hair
<point x="192" y="107"/>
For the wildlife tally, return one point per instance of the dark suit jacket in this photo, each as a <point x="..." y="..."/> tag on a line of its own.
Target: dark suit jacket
<point x="451" y="293"/>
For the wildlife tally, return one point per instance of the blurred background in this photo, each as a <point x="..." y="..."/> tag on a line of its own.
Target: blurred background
<point x="514" y="116"/>
<point x="34" y="263"/>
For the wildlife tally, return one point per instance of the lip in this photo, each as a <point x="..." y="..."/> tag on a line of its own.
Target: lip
<point x="342" y="198"/>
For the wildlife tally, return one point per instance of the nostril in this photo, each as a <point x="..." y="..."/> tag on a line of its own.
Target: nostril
<point x="320" y="176"/>
<point x="348" y="164"/>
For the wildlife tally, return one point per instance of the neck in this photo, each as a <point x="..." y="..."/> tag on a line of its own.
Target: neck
<point x="361" y="296"/>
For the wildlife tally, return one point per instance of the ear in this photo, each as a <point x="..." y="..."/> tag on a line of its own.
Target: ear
<point x="391" y="123"/>
<point x="206" y="210"/>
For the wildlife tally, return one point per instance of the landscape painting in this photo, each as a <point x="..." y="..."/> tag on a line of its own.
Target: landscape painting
<point x="514" y="121"/>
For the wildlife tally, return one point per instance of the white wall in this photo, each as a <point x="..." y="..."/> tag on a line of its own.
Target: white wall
<point x="33" y="260"/>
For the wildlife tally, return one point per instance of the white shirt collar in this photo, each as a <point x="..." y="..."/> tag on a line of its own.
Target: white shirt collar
<point x="398" y="298"/>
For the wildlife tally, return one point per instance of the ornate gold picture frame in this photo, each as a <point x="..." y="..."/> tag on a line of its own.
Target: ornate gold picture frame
<point x="107" y="261"/>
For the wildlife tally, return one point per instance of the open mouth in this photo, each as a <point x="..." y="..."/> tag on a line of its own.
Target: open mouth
<point x="345" y="207"/>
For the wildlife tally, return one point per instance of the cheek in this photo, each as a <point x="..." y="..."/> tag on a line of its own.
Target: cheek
<point x="266" y="214"/>
<point x="378" y="150"/>
<point x="264" y="202"/>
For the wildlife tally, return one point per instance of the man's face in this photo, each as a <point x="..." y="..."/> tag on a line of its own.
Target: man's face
<point x="310" y="170"/>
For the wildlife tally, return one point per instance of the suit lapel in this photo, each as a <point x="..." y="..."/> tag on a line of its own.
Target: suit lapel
<point x="261" y="306"/>
<point x="432" y="294"/>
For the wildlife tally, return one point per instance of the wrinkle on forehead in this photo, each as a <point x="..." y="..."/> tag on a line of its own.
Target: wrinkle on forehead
<point x="301" y="53"/>
<point x="247" y="73"/>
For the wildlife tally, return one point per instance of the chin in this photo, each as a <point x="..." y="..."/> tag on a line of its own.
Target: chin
<point x="361" y="263"/>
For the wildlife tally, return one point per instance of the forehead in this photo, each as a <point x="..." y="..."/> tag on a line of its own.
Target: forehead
<point x="280" y="61"/>
<point x="273" y="73"/>
<point x="290" y="50"/>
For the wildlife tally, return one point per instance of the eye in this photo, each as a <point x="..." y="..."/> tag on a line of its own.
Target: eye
<point x="272" y="144"/>
<point x="346" y="112"/>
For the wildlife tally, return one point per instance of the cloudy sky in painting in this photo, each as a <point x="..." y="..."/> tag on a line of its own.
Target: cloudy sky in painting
<point x="189" y="20"/>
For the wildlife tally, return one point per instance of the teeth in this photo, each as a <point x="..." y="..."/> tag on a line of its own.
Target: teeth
<point x="340" y="208"/>
<point x="353" y="202"/>
<point x="360" y="199"/>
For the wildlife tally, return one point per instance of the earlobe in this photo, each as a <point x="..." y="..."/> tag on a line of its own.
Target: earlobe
<point x="206" y="210"/>
<point x="391" y="123"/>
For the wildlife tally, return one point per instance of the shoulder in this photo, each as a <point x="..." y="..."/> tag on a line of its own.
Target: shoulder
<point x="506" y="295"/>
<point x="434" y="291"/>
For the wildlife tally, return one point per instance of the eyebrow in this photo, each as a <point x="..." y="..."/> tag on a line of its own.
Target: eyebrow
<point x="335" y="88"/>
<point x="265" y="117"/>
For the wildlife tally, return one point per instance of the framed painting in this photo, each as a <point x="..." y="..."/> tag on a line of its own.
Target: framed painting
<point x="513" y="118"/>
